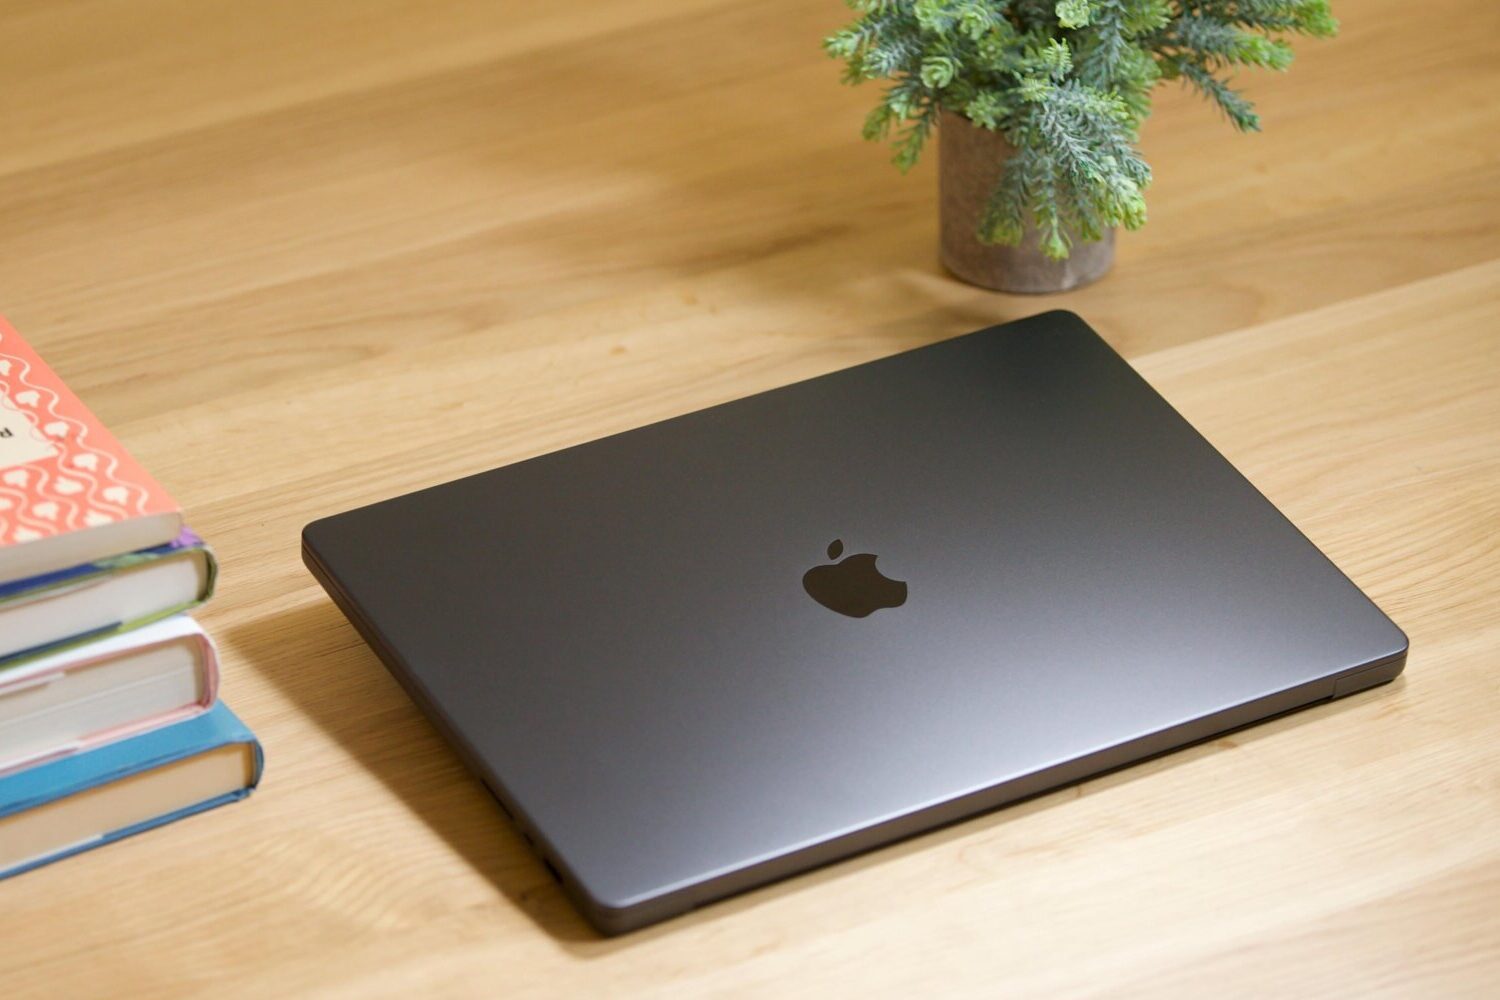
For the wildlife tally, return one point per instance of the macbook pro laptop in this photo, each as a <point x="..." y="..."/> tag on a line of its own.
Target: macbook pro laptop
<point x="727" y="647"/>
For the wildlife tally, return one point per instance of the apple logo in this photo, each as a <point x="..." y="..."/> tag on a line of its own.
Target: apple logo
<point x="852" y="587"/>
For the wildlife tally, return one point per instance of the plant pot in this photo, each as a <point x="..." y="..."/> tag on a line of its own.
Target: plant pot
<point x="970" y="161"/>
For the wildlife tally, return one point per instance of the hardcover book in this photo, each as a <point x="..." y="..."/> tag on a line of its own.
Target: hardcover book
<point x="69" y="492"/>
<point x="84" y="697"/>
<point x="43" y="614"/>
<point x="76" y="803"/>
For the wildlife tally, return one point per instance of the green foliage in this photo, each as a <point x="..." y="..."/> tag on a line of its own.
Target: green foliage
<point x="1067" y="82"/>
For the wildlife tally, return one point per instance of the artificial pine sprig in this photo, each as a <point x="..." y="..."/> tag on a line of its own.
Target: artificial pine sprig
<point x="1067" y="82"/>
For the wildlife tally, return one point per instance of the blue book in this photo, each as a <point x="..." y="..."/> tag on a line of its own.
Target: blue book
<point x="75" y="803"/>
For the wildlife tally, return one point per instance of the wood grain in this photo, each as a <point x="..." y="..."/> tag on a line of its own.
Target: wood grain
<point x="305" y="256"/>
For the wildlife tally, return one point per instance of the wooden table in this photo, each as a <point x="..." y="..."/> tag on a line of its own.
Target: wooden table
<point x="302" y="256"/>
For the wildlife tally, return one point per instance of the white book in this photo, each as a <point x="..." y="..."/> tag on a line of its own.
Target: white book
<point x="88" y="695"/>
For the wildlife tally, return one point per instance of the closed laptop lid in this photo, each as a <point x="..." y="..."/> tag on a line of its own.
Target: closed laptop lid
<point x="631" y="640"/>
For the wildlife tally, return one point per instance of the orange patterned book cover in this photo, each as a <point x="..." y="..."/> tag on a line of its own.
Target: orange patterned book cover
<point x="63" y="474"/>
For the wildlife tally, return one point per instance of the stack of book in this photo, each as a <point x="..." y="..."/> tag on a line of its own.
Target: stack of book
<point x="110" y="722"/>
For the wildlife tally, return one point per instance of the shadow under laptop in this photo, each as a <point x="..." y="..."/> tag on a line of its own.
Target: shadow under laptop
<point x="319" y="662"/>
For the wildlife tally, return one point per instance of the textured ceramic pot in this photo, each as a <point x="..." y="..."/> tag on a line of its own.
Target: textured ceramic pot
<point x="971" y="159"/>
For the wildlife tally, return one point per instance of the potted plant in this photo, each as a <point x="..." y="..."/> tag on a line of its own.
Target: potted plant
<point x="1038" y="104"/>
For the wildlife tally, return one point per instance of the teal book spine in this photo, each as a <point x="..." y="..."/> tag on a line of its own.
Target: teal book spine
<point x="58" y="779"/>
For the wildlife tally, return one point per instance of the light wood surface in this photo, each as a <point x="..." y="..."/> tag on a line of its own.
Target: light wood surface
<point x="302" y="256"/>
